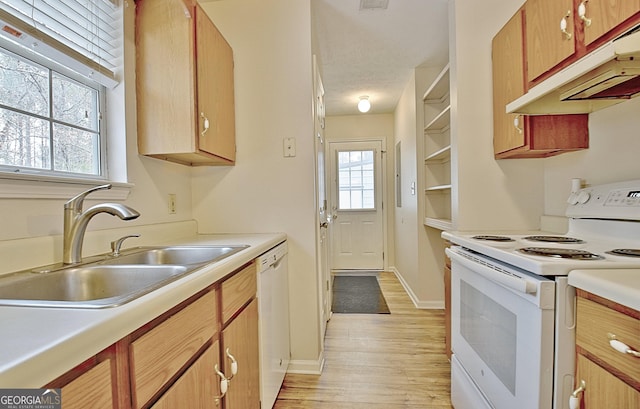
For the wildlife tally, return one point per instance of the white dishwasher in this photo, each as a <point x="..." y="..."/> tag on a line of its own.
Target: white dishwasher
<point x="273" y="304"/>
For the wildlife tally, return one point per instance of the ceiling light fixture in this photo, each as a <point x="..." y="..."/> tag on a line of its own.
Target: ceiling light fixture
<point x="364" y="105"/>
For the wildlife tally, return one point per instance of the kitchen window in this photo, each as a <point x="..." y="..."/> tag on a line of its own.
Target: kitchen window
<point x="59" y="63"/>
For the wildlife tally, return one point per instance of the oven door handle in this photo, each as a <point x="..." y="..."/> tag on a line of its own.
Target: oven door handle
<point x="510" y="281"/>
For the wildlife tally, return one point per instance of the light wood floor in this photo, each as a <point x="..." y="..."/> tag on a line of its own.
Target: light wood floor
<point x="377" y="361"/>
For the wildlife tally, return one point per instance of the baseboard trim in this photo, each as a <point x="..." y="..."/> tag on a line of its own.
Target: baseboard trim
<point x="306" y="367"/>
<point x="423" y="305"/>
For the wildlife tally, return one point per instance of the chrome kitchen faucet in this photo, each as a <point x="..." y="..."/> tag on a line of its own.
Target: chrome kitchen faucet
<point x="75" y="222"/>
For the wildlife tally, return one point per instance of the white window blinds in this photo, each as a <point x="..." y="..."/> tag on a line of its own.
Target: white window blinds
<point x="83" y="35"/>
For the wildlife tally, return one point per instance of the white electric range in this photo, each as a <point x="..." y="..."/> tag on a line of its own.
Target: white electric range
<point x="513" y="328"/>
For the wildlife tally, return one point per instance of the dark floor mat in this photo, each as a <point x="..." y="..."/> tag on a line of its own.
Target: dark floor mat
<point x="358" y="295"/>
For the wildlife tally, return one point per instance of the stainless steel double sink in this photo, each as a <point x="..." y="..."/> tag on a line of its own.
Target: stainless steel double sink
<point x="108" y="281"/>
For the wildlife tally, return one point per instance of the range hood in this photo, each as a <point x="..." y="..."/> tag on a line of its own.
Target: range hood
<point x="606" y="76"/>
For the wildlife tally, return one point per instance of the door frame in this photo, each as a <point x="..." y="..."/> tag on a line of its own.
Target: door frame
<point x="383" y="193"/>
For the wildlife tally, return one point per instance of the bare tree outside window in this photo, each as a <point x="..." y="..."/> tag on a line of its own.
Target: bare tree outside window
<point x="48" y="121"/>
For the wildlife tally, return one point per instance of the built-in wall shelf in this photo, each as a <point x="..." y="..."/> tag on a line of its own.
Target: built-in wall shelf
<point x="442" y="224"/>
<point x="437" y="188"/>
<point x="438" y="91"/>
<point x="437" y="152"/>
<point x="439" y="156"/>
<point x="440" y="123"/>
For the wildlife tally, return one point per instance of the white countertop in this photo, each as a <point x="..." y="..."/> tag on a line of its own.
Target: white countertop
<point x="619" y="285"/>
<point x="39" y="344"/>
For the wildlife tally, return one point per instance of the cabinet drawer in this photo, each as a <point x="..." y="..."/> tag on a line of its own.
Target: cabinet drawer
<point x="594" y="323"/>
<point x="159" y="354"/>
<point x="92" y="389"/>
<point x="238" y="290"/>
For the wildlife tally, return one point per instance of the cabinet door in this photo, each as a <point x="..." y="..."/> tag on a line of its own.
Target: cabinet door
<point x="215" y="90"/>
<point x="603" y="390"/>
<point x="508" y="84"/>
<point x="93" y="389"/>
<point x="240" y="337"/>
<point x="604" y="15"/>
<point x="165" y="91"/>
<point x="198" y="387"/>
<point x="546" y="44"/>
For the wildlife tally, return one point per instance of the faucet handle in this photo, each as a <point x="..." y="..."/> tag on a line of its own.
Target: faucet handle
<point x="116" y="244"/>
<point x="75" y="202"/>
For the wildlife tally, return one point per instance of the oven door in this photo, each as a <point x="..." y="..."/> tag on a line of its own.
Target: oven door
<point x="502" y="324"/>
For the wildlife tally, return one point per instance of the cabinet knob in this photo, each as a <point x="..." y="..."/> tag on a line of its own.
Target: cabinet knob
<point x="582" y="13"/>
<point x="205" y="124"/>
<point x="621" y="346"/>
<point x="224" y="384"/>
<point x="516" y="123"/>
<point x="574" y="399"/>
<point x="234" y="364"/>
<point x="564" y="24"/>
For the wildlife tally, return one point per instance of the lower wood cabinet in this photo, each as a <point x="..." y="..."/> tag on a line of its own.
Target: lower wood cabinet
<point x="603" y="389"/>
<point x="171" y="361"/>
<point x="447" y="302"/>
<point x="611" y="377"/>
<point x="159" y="355"/>
<point x="240" y="338"/>
<point x="92" y="389"/>
<point x="198" y="387"/>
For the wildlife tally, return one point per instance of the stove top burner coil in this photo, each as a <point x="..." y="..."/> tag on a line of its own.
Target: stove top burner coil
<point x="560" y="253"/>
<point x="625" y="252"/>
<point x="554" y="239"/>
<point x="493" y="238"/>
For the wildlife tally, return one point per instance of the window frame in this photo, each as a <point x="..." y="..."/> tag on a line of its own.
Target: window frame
<point x="32" y="57"/>
<point x="338" y="190"/>
<point x="36" y="185"/>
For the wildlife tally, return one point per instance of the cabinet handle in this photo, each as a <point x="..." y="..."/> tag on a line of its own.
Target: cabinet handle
<point x="205" y="124"/>
<point x="621" y="347"/>
<point x="224" y="384"/>
<point x="234" y="364"/>
<point x="574" y="399"/>
<point x="582" y="13"/>
<point x="516" y="123"/>
<point x="564" y="24"/>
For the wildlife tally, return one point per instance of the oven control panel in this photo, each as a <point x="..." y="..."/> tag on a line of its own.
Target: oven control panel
<point x="610" y="201"/>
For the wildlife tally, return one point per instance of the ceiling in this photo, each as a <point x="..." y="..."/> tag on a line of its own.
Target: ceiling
<point x="373" y="51"/>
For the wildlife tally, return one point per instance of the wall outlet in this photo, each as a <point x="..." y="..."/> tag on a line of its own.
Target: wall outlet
<point x="289" y="147"/>
<point x="172" y="203"/>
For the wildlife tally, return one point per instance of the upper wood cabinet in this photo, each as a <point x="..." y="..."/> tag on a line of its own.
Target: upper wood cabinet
<point x="547" y="45"/>
<point x="185" y="85"/>
<point x="602" y="16"/>
<point x="558" y="32"/>
<point x="523" y="136"/>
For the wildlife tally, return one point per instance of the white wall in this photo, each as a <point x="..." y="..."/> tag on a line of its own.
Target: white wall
<point x="264" y="191"/>
<point x="614" y="145"/>
<point x="492" y="195"/>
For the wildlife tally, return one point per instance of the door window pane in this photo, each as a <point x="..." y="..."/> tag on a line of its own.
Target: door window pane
<point x="356" y="181"/>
